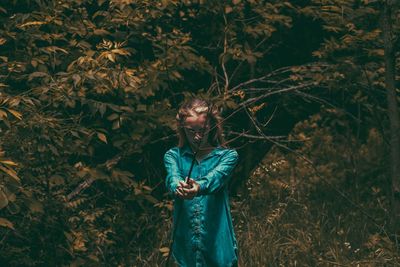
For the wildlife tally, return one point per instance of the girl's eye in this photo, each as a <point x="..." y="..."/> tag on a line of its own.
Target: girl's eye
<point x="192" y="130"/>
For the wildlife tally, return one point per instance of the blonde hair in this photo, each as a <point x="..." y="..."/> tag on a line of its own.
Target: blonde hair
<point x="198" y="106"/>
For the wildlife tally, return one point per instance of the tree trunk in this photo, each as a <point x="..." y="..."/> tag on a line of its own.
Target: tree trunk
<point x="393" y="113"/>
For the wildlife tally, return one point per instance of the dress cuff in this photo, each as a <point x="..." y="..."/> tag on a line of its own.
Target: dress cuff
<point x="203" y="186"/>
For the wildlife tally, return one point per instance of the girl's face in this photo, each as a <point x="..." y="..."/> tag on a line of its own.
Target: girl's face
<point x="193" y="127"/>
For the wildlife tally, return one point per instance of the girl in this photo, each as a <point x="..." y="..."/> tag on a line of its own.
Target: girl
<point x="203" y="234"/>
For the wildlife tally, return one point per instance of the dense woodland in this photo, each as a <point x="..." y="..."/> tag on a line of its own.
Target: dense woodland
<point x="308" y="89"/>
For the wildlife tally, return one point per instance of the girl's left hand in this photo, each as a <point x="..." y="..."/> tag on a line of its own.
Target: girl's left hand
<point x="188" y="190"/>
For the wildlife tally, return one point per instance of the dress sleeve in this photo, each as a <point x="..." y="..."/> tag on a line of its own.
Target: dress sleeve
<point x="173" y="172"/>
<point x="219" y="176"/>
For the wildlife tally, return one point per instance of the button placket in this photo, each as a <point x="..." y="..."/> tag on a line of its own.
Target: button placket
<point x="197" y="221"/>
<point x="196" y="226"/>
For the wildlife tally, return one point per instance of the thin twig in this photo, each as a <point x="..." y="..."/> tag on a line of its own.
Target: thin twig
<point x="256" y="136"/>
<point x="224" y="54"/>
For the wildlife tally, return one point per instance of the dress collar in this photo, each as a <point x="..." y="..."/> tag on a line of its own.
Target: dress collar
<point x="187" y="150"/>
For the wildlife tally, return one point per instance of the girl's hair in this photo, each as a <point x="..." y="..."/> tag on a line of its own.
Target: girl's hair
<point x="198" y="106"/>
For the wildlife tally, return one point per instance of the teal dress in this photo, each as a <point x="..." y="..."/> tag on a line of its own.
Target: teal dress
<point x="204" y="234"/>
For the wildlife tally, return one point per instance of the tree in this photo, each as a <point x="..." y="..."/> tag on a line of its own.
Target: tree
<point x="388" y="8"/>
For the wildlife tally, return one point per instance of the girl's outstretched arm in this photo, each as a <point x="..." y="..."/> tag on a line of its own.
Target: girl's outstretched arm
<point x="174" y="174"/>
<point x="219" y="176"/>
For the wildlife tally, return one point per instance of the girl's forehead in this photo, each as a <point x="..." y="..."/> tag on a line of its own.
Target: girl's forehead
<point x="196" y="120"/>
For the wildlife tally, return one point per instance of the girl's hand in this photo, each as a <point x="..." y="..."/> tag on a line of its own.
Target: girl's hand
<point x="179" y="190"/>
<point x="194" y="188"/>
<point x="187" y="190"/>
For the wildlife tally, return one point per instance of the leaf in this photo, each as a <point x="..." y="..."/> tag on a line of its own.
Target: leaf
<point x="14" y="102"/>
<point x="148" y="188"/>
<point x="11" y="197"/>
<point x="288" y="4"/>
<point x="151" y="199"/>
<point x="56" y="180"/>
<point x="15" y="113"/>
<point x="176" y="74"/>
<point x="102" y="109"/>
<point x="113" y="116"/>
<point x="376" y="52"/>
<point x="164" y="251"/>
<point x="331" y="8"/>
<point x="94" y="257"/>
<point x="32" y="23"/>
<point x="97" y="174"/>
<point x="6" y="223"/>
<point x="3" y="199"/>
<point x="3" y="115"/>
<point x="115" y="125"/>
<point x="231" y="104"/>
<point x="111" y="57"/>
<point x="317" y="54"/>
<point x="37" y="74"/>
<point x="102" y="137"/>
<point x="11" y="173"/>
<point x="36" y="206"/>
<point x="332" y="28"/>
<point x="54" y="49"/>
<point x="34" y="63"/>
<point x="100" y="31"/>
<point x="9" y="162"/>
<point x="228" y="9"/>
<point x="122" y="52"/>
<point x="76" y="78"/>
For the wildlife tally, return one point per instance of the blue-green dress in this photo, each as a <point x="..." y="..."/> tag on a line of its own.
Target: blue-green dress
<point x="204" y="234"/>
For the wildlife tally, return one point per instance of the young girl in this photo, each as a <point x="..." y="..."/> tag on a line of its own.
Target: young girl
<point x="203" y="233"/>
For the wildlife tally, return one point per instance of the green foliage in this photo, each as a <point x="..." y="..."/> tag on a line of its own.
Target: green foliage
<point x="87" y="88"/>
<point x="88" y="92"/>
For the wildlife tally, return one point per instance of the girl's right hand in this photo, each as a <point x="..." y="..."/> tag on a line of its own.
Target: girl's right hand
<point x="184" y="190"/>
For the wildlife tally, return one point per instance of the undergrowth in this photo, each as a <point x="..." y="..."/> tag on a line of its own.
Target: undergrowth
<point x="325" y="204"/>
